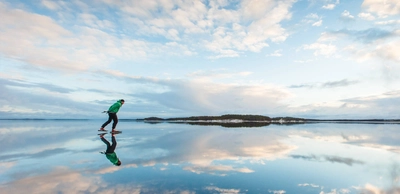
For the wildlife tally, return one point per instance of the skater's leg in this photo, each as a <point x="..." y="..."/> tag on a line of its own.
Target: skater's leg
<point x="110" y="118"/>
<point x="115" y="121"/>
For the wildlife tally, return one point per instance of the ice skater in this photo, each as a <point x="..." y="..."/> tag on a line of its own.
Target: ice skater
<point x="112" y="115"/>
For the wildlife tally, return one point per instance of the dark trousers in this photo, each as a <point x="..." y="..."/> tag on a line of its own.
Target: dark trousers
<point x="114" y="118"/>
<point x="110" y="147"/>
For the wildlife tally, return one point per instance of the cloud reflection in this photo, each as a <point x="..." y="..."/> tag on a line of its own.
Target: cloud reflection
<point x="371" y="189"/>
<point x="333" y="159"/>
<point x="65" y="180"/>
<point x="216" y="170"/>
<point x="59" y="180"/>
<point x="203" y="149"/>
<point x="221" y="190"/>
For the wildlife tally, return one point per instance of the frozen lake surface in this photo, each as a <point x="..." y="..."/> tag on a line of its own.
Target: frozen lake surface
<point x="49" y="156"/>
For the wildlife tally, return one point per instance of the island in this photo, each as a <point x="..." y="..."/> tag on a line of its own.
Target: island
<point x="237" y="120"/>
<point x="228" y="120"/>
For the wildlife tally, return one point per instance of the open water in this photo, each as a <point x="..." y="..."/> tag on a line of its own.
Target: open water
<point x="55" y="156"/>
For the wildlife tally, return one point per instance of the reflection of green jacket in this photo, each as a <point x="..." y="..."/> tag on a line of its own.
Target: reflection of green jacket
<point x="115" y="107"/>
<point x="112" y="157"/>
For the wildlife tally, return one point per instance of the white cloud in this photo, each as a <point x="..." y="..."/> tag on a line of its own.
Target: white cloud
<point x="277" y="53"/>
<point x="382" y="8"/>
<point x="329" y="6"/>
<point x="313" y="16"/>
<point x="327" y="37"/>
<point x="346" y="16"/>
<point x="388" y="22"/>
<point x="225" y="53"/>
<point x="388" y="51"/>
<point x="34" y="98"/>
<point x="216" y="74"/>
<point x="209" y="96"/>
<point x="313" y="19"/>
<point x="254" y="23"/>
<point x="318" y="23"/>
<point x="321" y="49"/>
<point x="25" y="36"/>
<point x="4" y="166"/>
<point x="173" y="34"/>
<point x="303" y="61"/>
<point x="366" y="16"/>
<point x="265" y="16"/>
<point x="41" y="41"/>
<point x="175" y="48"/>
<point x="374" y="106"/>
<point x="92" y="21"/>
<point x="80" y="48"/>
<point x="141" y="9"/>
<point x="369" y="44"/>
<point x="255" y="10"/>
<point x="379" y="50"/>
<point x="51" y="4"/>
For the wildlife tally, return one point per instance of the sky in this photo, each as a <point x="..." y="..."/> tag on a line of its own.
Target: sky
<point x="172" y="58"/>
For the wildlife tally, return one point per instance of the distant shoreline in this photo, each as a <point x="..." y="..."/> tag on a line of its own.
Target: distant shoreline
<point x="276" y="122"/>
<point x="264" y="119"/>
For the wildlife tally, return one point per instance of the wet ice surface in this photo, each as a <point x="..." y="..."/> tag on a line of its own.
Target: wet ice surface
<point x="51" y="156"/>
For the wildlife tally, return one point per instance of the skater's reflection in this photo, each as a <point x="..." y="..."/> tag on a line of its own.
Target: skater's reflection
<point x="110" y="152"/>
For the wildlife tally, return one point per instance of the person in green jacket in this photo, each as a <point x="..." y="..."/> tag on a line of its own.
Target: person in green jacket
<point x="110" y="151"/>
<point x="112" y="115"/>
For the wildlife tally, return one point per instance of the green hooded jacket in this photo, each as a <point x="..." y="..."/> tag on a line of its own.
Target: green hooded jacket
<point x="115" y="107"/>
<point x="112" y="157"/>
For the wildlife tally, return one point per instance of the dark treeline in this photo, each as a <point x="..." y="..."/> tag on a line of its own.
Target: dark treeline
<point x="288" y="119"/>
<point x="223" y="117"/>
<point x="250" y="118"/>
